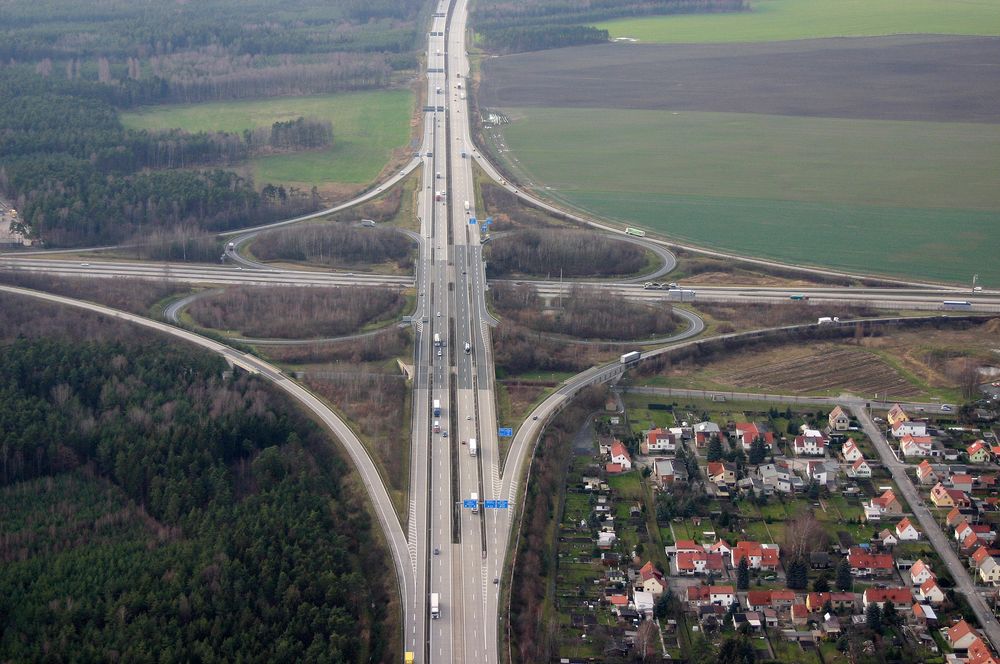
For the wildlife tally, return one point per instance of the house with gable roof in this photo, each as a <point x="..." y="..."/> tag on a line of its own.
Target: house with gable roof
<point x="896" y="414"/>
<point x="652" y="580"/>
<point x="659" y="441"/>
<point x="851" y="452"/>
<point x="759" y="556"/>
<point x="978" y="452"/>
<point x="901" y="598"/>
<point x="961" y="635"/>
<point x="930" y="592"/>
<point x="859" y="468"/>
<point x="906" y="532"/>
<point x="747" y="432"/>
<point x="620" y="455"/>
<point x="838" y="419"/>
<point x="916" y="446"/>
<point x="925" y="473"/>
<point x="920" y="572"/>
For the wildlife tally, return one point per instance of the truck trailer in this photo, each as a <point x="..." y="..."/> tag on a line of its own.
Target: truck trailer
<point x="680" y="295"/>
<point x="437" y="408"/>
<point x="630" y="357"/>
<point x="435" y="606"/>
<point x="473" y="450"/>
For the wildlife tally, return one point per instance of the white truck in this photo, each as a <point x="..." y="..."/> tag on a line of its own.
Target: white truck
<point x="473" y="450"/>
<point x="630" y="357"/>
<point x="437" y="340"/>
<point x="468" y="347"/>
<point x="435" y="606"/>
<point x="467" y="207"/>
<point x="475" y="498"/>
<point x="437" y="407"/>
<point x="231" y="246"/>
<point x="827" y="319"/>
<point x="680" y="295"/>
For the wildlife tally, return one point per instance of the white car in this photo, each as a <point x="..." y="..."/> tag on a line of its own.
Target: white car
<point x="439" y="314"/>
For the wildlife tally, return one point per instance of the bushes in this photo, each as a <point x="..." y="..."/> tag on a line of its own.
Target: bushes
<point x="566" y="252"/>
<point x="296" y="313"/>
<point x="335" y="245"/>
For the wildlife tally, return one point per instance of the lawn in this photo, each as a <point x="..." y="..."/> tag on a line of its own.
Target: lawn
<point x="775" y="20"/>
<point x="367" y="127"/>
<point x="739" y="181"/>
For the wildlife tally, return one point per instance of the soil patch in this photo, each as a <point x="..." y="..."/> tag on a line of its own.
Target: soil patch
<point x="916" y="77"/>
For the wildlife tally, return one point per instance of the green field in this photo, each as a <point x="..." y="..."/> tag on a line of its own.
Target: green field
<point x="907" y="198"/>
<point x="778" y="20"/>
<point x="367" y="127"/>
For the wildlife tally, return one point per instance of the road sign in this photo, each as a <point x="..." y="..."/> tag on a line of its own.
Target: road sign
<point x="490" y="504"/>
<point x="505" y="432"/>
<point x="489" y="220"/>
<point x="472" y="221"/>
<point x="496" y="504"/>
<point x="469" y="503"/>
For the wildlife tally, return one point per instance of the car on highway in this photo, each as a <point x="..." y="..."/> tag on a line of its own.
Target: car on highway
<point x="436" y="551"/>
<point x="84" y="264"/>
<point x="535" y="417"/>
<point x="444" y="434"/>
<point x="468" y="417"/>
<point x="439" y="314"/>
<point x="945" y="408"/>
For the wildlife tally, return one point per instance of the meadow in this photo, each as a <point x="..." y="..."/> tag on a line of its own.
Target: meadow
<point x="896" y="197"/>
<point x="777" y="20"/>
<point x="367" y="127"/>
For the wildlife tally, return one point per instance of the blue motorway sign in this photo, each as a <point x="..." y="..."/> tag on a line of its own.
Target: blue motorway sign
<point x="469" y="504"/>
<point x="496" y="504"/>
<point x="505" y="432"/>
<point x="472" y="221"/>
<point x="489" y="220"/>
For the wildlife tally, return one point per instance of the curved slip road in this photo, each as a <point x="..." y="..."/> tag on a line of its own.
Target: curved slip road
<point x="381" y="503"/>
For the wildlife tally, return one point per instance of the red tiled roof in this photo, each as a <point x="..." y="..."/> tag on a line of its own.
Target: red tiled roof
<point x="618" y="449"/>
<point x="687" y="545"/>
<point x="619" y="600"/>
<point x="958" y="631"/>
<point x="614" y="468"/>
<point x="860" y="559"/>
<point x="720" y="590"/>
<point x="758" y="597"/>
<point x="894" y="595"/>
<point x="885" y="499"/>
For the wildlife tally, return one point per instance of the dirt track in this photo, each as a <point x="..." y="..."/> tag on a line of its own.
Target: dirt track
<point x="920" y="77"/>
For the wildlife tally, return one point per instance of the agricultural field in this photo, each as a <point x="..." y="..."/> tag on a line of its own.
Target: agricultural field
<point x="772" y="20"/>
<point x="833" y="147"/>
<point x="919" y="364"/>
<point x="367" y="128"/>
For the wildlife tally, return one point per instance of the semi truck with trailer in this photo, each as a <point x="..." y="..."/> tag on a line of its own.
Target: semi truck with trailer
<point x="437" y="340"/>
<point x="680" y="295"/>
<point x="475" y="498"/>
<point x="473" y="450"/>
<point x="638" y="232"/>
<point x="630" y="357"/>
<point x="437" y="407"/>
<point x="435" y="606"/>
<point x="467" y="207"/>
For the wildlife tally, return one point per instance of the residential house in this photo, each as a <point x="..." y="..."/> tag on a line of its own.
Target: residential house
<point x="759" y="556"/>
<point x="810" y="443"/>
<point x="930" y="592"/>
<point x="819" y="560"/>
<point x="909" y="428"/>
<point x="864" y="563"/>
<point x="831" y="626"/>
<point x="924" y="614"/>
<point x="721" y="595"/>
<point x="722" y="548"/>
<point x="659" y="441"/>
<point x="665" y="471"/>
<point x="618" y="601"/>
<point x="916" y="446"/>
<point x="896" y="414"/>
<point x="961" y="636"/>
<point x="851" y="452"/>
<point x="888" y="538"/>
<point x="980" y="653"/>
<point x="954" y="517"/>
<point x="606" y="540"/>
<point x="989" y="571"/>
<point x="962" y="530"/>
<point x="697" y="596"/>
<point x="705" y="432"/>
<point x="979" y="556"/>
<point x="859" y="468"/>
<point x="839" y="600"/>
<point x="758" y="600"/>
<point x="944" y="497"/>
<point x="925" y="473"/>
<point x="839" y="420"/>
<point x="614" y="468"/>
<point x="690" y="563"/>
<point x="620" y="455"/>
<point x="722" y="472"/>
<point x="905" y="531"/>
<point x="901" y="598"/>
<point x="920" y="572"/>
<point x="681" y="546"/>
<point x="961" y="482"/>
<point x="819" y="472"/>
<point x="978" y="452"/>
<point x="971" y="542"/>
<point x="888" y="503"/>
<point x="644" y="602"/>
<point x="747" y="432"/>
<point x="652" y="580"/>
<point x="800" y="614"/>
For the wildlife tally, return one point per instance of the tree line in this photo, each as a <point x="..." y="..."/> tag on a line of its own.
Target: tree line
<point x="538" y="24"/>
<point x="550" y="252"/>
<point x="157" y="507"/>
